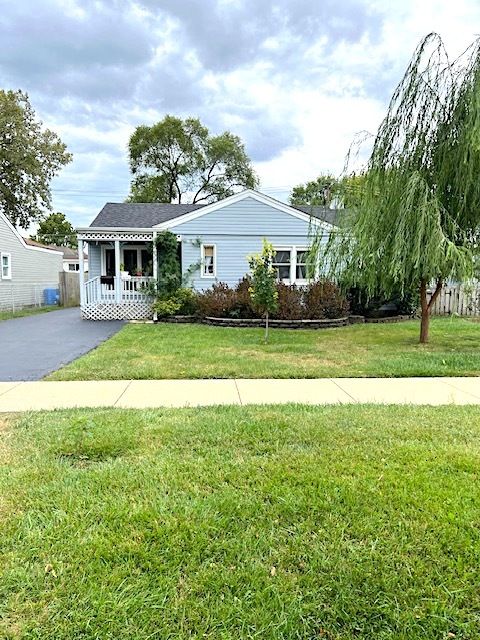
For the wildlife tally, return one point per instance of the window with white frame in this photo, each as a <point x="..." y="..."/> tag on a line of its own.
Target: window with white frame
<point x="290" y="263"/>
<point x="281" y="263"/>
<point x="73" y="266"/>
<point x="301" y="265"/>
<point x="6" y="266"/>
<point x="209" y="261"/>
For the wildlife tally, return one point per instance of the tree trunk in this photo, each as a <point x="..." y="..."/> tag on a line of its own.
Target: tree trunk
<point x="426" y="306"/>
<point x="425" y="321"/>
<point x="266" y="327"/>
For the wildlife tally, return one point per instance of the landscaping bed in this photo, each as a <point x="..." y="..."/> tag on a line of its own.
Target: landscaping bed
<point x="318" y="305"/>
<point x="241" y="522"/>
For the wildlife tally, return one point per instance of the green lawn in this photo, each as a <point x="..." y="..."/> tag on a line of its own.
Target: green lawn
<point x="198" y="351"/>
<point x="8" y="315"/>
<point x="238" y="523"/>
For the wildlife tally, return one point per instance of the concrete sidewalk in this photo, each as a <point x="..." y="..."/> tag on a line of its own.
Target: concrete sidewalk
<point x="139" y="394"/>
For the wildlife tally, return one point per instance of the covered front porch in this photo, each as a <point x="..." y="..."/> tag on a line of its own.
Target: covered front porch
<point x="122" y="264"/>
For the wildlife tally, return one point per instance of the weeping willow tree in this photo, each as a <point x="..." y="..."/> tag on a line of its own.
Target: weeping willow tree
<point x="416" y="221"/>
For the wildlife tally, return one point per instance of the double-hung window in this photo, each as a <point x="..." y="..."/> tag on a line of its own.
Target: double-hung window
<point x="209" y="261"/>
<point x="6" y="266"/>
<point x="290" y="264"/>
<point x="281" y="263"/>
<point x="301" y="265"/>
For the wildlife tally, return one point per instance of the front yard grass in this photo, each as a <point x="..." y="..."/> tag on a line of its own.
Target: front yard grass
<point x="28" y="311"/>
<point x="236" y="523"/>
<point x="198" y="351"/>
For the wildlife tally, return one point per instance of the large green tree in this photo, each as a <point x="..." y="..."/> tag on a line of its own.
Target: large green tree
<point x="327" y="190"/>
<point x="416" y="223"/>
<point x="30" y="156"/>
<point x="320" y="191"/>
<point x="178" y="160"/>
<point x="56" y="229"/>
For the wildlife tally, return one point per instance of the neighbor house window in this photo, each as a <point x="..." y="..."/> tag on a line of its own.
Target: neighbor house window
<point x="6" y="263"/>
<point x="281" y="264"/>
<point x="209" y="260"/>
<point x="73" y="267"/>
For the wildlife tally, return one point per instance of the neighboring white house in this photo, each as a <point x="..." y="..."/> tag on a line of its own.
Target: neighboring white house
<point x="71" y="262"/>
<point x="25" y="270"/>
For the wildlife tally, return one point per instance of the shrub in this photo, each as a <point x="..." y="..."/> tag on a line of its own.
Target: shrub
<point x="290" y="304"/>
<point x="323" y="299"/>
<point x="188" y="300"/>
<point x="244" y="305"/>
<point x="379" y="306"/>
<point x="182" y="302"/>
<point x="219" y="301"/>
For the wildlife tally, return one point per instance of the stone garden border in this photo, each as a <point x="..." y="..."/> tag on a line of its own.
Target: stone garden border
<point x="323" y="323"/>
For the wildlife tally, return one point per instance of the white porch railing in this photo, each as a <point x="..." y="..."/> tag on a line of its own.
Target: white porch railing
<point x="131" y="290"/>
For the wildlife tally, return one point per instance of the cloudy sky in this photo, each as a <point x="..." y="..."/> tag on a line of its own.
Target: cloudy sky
<point x="295" y="79"/>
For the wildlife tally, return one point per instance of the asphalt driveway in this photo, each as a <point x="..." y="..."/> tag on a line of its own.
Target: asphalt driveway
<point x="33" y="346"/>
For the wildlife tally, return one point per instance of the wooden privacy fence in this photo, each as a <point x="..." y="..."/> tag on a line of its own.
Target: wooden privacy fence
<point x="69" y="285"/>
<point x="459" y="299"/>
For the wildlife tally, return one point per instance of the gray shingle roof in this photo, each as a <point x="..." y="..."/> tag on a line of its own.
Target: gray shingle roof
<point x="140" y="215"/>
<point x="147" y="215"/>
<point x="322" y="213"/>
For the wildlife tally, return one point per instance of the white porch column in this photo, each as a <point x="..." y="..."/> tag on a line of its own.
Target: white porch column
<point x="81" y="273"/>
<point x="155" y="256"/>
<point x="155" y="265"/>
<point x="118" y="280"/>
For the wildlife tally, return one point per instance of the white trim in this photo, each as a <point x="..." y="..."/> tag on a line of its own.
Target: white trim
<point x="300" y="280"/>
<point x="81" y="275"/>
<point x="22" y="239"/>
<point x="208" y="276"/>
<point x="3" y="255"/>
<point x="237" y="197"/>
<point x="114" y="230"/>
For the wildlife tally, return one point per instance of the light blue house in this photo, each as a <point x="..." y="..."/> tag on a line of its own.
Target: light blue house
<point x="214" y="241"/>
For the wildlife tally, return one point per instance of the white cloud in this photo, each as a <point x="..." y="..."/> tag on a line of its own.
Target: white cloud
<point x="296" y="79"/>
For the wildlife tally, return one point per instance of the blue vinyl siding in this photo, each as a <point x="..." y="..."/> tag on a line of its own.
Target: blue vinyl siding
<point x="246" y="217"/>
<point x="237" y="231"/>
<point x="94" y="256"/>
<point x="231" y="255"/>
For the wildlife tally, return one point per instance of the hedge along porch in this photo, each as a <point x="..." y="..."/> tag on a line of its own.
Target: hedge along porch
<point x="214" y="244"/>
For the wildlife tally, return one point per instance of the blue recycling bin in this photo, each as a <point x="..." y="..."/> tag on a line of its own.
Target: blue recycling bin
<point x="51" y="296"/>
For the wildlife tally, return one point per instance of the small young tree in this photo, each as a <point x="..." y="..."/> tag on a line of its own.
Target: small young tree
<point x="264" y="282"/>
